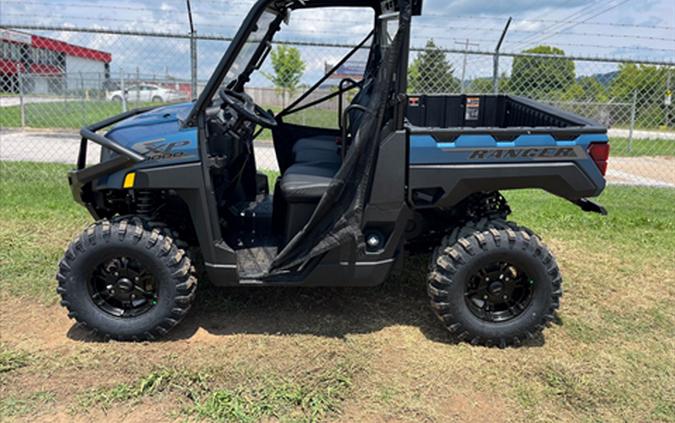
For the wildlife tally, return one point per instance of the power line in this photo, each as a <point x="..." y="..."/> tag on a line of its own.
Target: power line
<point x="539" y="20"/>
<point x="602" y="12"/>
<point x="578" y="13"/>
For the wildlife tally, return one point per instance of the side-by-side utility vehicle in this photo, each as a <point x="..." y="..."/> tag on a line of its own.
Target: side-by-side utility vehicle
<point x="177" y="192"/>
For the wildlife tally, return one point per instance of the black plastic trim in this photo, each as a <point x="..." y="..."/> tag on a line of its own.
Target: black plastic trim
<point x="564" y="179"/>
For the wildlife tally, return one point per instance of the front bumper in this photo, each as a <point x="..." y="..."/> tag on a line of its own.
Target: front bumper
<point x="82" y="176"/>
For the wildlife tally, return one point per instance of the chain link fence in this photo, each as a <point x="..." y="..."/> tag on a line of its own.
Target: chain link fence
<point x="54" y="80"/>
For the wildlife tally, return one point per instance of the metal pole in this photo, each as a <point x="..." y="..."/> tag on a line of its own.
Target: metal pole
<point x="495" y="73"/>
<point x="138" y="86"/>
<point x="495" y="62"/>
<point x="193" y="52"/>
<point x="123" y="89"/>
<point x="466" y="49"/>
<point x="667" y="101"/>
<point x="82" y="107"/>
<point x="22" y="103"/>
<point x="632" y="121"/>
<point x="193" y="65"/>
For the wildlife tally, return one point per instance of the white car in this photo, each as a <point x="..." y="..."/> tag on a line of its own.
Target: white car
<point x="146" y="93"/>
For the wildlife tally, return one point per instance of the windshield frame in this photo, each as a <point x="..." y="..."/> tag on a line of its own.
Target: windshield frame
<point x="232" y="53"/>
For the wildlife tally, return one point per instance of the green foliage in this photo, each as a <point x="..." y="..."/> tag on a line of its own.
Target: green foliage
<point x="648" y="81"/>
<point x="288" y="68"/>
<point x="431" y="72"/>
<point x="481" y="86"/>
<point x="539" y="76"/>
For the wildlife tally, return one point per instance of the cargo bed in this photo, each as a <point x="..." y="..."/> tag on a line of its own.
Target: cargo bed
<point x="461" y="144"/>
<point x="499" y="114"/>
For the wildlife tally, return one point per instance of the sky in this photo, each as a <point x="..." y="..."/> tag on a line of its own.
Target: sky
<point x="604" y="28"/>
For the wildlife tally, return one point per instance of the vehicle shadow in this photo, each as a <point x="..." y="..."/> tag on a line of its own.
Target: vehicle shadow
<point x="325" y="312"/>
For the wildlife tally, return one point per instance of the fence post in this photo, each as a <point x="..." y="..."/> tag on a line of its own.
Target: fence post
<point x="82" y="107"/>
<point x="495" y="73"/>
<point x="123" y="90"/>
<point x="138" y="86"/>
<point x="193" y="64"/>
<point x="633" y="106"/>
<point x="22" y="103"/>
<point x="667" y="101"/>
<point x="193" y="52"/>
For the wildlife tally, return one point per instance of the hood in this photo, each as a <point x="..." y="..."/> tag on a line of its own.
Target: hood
<point x="157" y="134"/>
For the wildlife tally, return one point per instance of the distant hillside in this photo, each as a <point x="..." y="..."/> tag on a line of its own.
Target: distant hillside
<point x="605" y="79"/>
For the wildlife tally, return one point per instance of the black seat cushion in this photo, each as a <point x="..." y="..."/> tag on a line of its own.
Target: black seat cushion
<point x="307" y="182"/>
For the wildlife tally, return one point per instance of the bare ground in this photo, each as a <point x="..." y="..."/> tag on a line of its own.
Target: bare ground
<point x="400" y="364"/>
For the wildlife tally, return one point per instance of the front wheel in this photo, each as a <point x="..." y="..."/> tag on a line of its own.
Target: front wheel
<point x="495" y="284"/>
<point x="125" y="281"/>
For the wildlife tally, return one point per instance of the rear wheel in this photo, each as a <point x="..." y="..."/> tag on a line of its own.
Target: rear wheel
<point x="157" y="99"/>
<point x="494" y="283"/>
<point x="126" y="281"/>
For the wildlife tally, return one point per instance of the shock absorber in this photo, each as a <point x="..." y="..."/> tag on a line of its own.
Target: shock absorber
<point x="145" y="202"/>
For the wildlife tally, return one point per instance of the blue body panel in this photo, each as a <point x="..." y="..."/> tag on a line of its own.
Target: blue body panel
<point x="157" y="135"/>
<point x="425" y="149"/>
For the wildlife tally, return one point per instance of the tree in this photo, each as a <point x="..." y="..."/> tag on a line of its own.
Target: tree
<point x="431" y="72"/>
<point x="288" y="68"/>
<point x="539" y="76"/>
<point x="646" y="85"/>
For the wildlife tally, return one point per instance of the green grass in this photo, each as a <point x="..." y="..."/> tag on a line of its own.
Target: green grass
<point x="249" y="396"/>
<point x="247" y="354"/>
<point x="64" y="114"/>
<point x="16" y="406"/>
<point x="11" y="359"/>
<point x="620" y="147"/>
<point x="154" y="383"/>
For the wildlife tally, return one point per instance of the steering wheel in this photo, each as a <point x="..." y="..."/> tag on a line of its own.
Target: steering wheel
<point x="246" y="108"/>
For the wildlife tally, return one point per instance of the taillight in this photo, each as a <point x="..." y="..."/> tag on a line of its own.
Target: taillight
<point x="599" y="152"/>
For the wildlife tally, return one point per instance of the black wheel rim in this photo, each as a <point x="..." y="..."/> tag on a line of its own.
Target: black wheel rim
<point x="123" y="287"/>
<point x="499" y="292"/>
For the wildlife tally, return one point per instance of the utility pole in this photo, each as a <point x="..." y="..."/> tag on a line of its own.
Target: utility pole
<point x="466" y="50"/>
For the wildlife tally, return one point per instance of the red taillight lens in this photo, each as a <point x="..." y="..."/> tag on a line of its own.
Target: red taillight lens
<point x="599" y="152"/>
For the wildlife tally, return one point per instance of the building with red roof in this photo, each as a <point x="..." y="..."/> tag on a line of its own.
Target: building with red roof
<point x="48" y="65"/>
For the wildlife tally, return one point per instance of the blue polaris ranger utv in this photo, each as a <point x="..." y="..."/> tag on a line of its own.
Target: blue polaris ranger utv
<point x="177" y="192"/>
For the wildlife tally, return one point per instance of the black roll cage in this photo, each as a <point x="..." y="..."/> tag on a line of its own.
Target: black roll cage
<point x="281" y="7"/>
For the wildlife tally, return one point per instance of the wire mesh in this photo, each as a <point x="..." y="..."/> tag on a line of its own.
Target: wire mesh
<point x="55" y="80"/>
